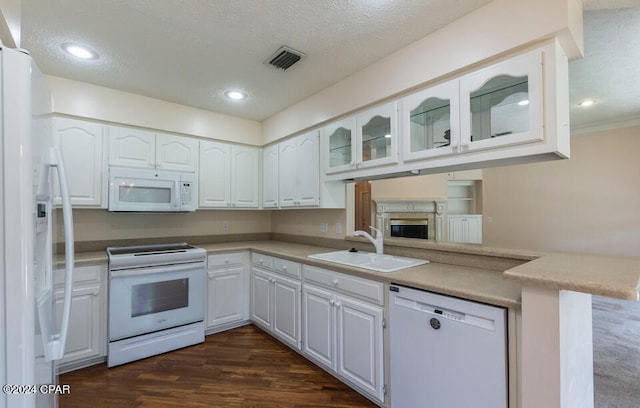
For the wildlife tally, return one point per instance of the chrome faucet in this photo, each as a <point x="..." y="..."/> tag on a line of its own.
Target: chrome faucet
<point x="377" y="241"/>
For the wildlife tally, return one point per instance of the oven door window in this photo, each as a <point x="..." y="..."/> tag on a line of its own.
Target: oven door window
<point x="410" y="229"/>
<point x="156" y="297"/>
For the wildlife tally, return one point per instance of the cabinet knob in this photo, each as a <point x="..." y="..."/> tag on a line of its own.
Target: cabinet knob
<point x="226" y="260"/>
<point x="332" y="302"/>
<point x="260" y="261"/>
<point x="284" y="267"/>
<point x="335" y="282"/>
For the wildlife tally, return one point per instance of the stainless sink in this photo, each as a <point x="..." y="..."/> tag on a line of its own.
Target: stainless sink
<point x="368" y="260"/>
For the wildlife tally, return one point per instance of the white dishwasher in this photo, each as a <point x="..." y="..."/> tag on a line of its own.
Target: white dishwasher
<point x="446" y="352"/>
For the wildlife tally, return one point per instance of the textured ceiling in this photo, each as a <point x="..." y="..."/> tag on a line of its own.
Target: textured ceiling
<point x="190" y="52"/>
<point x="609" y="73"/>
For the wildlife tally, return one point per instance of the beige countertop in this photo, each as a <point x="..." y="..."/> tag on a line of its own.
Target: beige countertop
<point x="466" y="282"/>
<point x="610" y="276"/>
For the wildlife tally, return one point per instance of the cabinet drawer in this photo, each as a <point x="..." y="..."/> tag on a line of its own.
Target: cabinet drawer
<point x="290" y="268"/>
<point x="363" y="288"/>
<point x="81" y="274"/>
<point x="261" y="260"/>
<point x="216" y="260"/>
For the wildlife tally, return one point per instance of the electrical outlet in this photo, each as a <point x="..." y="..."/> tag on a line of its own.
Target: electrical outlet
<point x="225" y="225"/>
<point x="324" y="227"/>
<point x="489" y="219"/>
<point x="338" y="228"/>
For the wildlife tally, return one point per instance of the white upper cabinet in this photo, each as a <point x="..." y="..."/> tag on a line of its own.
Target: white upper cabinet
<point x="81" y="146"/>
<point x="512" y="111"/>
<point x="430" y="122"/>
<point x="143" y="149"/>
<point x="365" y="140"/>
<point x="377" y="136"/>
<point x="245" y="176"/>
<point x="339" y="146"/>
<point x="214" y="175"/>
<point x="176" y="153"/>
<point x="502" y="104"/>
<point x="131" y="148"/>
<point x="270" y="176"/>
<point x="299" y="171"/>
<point x="229" y="176"/>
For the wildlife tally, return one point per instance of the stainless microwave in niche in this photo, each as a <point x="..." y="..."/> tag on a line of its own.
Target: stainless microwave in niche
<point x="151" y="190"/>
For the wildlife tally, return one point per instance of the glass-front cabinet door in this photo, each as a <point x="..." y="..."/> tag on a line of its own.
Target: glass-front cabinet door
<point x="502" y="104"/>
<point x="339" y="145"/>
<point x="377" y="136"/>
<point x="430" y="122"/>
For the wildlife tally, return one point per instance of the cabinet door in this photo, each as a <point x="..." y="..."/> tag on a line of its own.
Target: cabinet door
<point x="501" y="105"/>
<point x="318" y="337"/>
<point x="474" y="229"/>
<point x="85" y="337"/>
<point x="131" y="148"/>
<point x="465" y="229"/>
<point x="339" y="146"/>
<point x="82" y="149"/>
<point x="270" y="176"/>
<point x="214" y="175"/>
<point x="286" y="310"/>
<point x="430" y="122"/>
<point x="308" y="170"/>
<point x="287" y="173"/>
<point x="456" y="228"/>
<point x="261" y="298"/>
<point x="377" y="136"/>
<point x="245" y="176"/>
<point x="226" y="298"/>
<point x="360" y="352"/>
<point x="176" y="153"/>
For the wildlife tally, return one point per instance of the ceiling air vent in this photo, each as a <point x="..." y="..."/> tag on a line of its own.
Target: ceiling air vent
<point x="284" y="58"/>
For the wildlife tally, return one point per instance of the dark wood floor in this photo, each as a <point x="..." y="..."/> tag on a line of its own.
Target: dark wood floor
<point x="243" y="367"/>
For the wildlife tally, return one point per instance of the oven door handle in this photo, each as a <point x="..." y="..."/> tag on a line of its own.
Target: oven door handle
<point x="161" y="269"/>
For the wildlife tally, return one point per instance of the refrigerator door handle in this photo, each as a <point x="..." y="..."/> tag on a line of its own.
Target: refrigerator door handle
<point x="54" y="347"/>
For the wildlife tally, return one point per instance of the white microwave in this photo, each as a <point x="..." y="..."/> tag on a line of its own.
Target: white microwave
<point x="151" y="190"/>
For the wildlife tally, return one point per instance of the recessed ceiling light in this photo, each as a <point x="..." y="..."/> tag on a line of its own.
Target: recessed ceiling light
<point x="79" y="51"/>
<point x="524" y="102"/>
<point x="586" y="103"/>
<point x="235" y="95"/>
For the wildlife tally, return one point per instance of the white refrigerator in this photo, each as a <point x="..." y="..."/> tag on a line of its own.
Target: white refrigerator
<point x="32" y="333"/>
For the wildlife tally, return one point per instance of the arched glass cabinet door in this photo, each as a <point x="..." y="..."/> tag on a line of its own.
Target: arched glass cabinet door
<point x="430" y="122"/>
<point x="502" y="105"/>
<point x="339" y="145"/>
<point x="377" y="136"/>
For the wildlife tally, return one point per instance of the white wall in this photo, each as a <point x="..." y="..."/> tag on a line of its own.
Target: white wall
<point x="589" y="203"/>
<point x="499" y="27"/>
<point x="105" y="104"/>
<point x="427" y="187"/>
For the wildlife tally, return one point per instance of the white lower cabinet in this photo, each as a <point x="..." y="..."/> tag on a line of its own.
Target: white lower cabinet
<point x="275" y="299"/>
<point x="87" y="335"/>
<point x="227" y="291"/>
<point x="343" y="333"/>
<point x="465" y="228"/>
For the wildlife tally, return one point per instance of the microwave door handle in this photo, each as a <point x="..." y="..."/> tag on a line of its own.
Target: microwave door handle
<point x="55" y="348"/>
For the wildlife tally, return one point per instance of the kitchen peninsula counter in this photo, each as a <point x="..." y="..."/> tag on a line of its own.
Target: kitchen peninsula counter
<point x="611" y="276"/>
